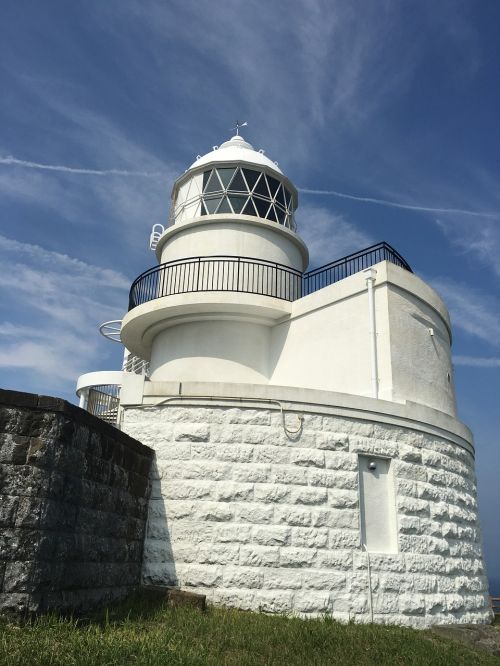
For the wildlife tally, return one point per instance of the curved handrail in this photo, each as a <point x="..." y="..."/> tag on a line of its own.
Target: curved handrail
<point x="250" y="275"/>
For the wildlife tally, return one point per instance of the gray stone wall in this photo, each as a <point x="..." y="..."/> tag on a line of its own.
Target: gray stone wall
<point x="73" y="507"/>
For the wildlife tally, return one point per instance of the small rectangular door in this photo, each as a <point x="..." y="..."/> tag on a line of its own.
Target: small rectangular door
<point x="377" y="508"/>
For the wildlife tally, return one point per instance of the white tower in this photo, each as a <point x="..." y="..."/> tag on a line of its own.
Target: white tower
<point x="308" y="454"/>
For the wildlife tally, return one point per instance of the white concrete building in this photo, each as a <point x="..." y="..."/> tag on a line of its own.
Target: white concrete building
<point x="309" y="456"/>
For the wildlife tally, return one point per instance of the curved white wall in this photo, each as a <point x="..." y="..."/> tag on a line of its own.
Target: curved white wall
<point x="258" y="520"/>
<point x="219" y="351"/>
<point x="246" y="237"/>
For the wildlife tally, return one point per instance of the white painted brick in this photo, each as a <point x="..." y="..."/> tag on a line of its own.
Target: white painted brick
<point x="306" y="495"/>
<point x="271" y="493"/>
<point x="216" y="553"/>
<point x="412" y="505"/>
<point x="425" y="563"/>
<point x="243" y="577"/>
<point x="386" y="603"/>
<point x="271" y="454"/>
<point x="249" y="417"/>
<point x="344" y="461"/>
<point x="296" y="557"/>
<point x="309" y="601"/>
<point x="234" y="598"/>
<point x="239" y="453"/>
<point x="324" y="580"/>
<point x="405" y="470"/>
<point x="282" y="579"/>
<point x="262" y="435"/>
<point x="233" y="533"/>
<point x="214" y="511"/>
<point x="254" y="513"/>
<point x="287" y="474"/>
<point x="259" y="556"/>
<point x="226" y="434"/>
<point x="338" y="560"/>
<point x="275" y="601"/>
<point x="160" y="573"/>
<point x="203" y="451"/>
<point x="168" y="450"/>
<point x="307" y="537"/>
<point x="410" y="454"/>
<point x="373" y="446"/>
<point x="274" y="535"/>
<point x="253" y="473"/>
<point x="234" y="492"/>
<point x="292" y="515"/>
<point x="200" y="576"/>
<point x="341" y="499"/>
<point x="412" y="604"/>
<point x="332" y="441"/>
<point x="307" y="458"/>
<point x="191" y="489"/>
<point x="342" y="539"/>
<point x="336" y="518"/>
<point x="191" y="432"/>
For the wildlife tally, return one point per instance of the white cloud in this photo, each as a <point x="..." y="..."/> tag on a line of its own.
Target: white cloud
<point x="480" y="241"/>
<point x="53" y="304"/>
<point x="328" y="236"/>
<point x="471" y="310"/>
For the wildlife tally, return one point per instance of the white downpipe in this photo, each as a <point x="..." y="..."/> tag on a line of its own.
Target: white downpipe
<point x="370" y="280"/>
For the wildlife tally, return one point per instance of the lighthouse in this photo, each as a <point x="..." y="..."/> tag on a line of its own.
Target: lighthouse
<point x="309" y="457"/>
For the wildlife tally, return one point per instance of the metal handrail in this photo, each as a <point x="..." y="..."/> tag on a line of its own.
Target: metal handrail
<point x="352" y="263"/>
<point x="254" y="276"/>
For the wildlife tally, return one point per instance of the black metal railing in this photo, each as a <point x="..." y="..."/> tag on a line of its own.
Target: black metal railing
<point x="253" y="276"/>
<point x="353" y="263"/>
<point x="219" y="273"/>
<point x="103" y="401"/>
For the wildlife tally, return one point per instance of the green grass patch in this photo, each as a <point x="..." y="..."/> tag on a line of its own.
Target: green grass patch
<point x="140" y="632"/>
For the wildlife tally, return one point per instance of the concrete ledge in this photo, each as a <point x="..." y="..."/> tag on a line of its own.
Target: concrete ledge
<point x="408" y="415"/>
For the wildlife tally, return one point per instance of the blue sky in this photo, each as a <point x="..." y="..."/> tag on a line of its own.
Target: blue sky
<point x="393" y="101"/>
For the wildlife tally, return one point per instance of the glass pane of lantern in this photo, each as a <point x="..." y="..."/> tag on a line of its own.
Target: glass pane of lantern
<point x="225" y="175"/>
<point x="288" y="198"/>
<point x="238" y="184"/>
<point x="211" y="204"/>
<point x="280" y="196"/>
<point x="203" y="210"/>
<point x="271" y="215"/>
<point x="273" y="185"/>
<point x="224" y="207"/>
<point x="262" y="207"/>
<point x="261" y="187"/>
<point x="213" y="184"/>
<point x="251" y="177"/>
<point x="249" y="208"/>
<point x="281" y="215"/>
<point x="237" y="203"/>
<point x="206" y="176"/>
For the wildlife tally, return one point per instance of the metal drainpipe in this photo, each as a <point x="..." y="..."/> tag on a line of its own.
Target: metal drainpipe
<point x="370" y="279"/>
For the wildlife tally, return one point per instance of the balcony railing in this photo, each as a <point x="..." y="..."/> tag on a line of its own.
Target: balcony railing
<point x="252" y="276"/>
<point x="103" y="402"/>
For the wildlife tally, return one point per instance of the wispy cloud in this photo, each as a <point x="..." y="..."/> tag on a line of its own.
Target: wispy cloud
<point x="52" y="305"/>
<point x="327" y="235"/>
<point x="396" y="204"/>
<point x="472" y="310"/>
<point x="13" y="161"/>
<point x="481" y="242"/>
<point x="476" y="362"/>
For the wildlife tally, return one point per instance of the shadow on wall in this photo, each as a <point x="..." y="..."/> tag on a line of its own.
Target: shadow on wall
<point x="158" y="559"/>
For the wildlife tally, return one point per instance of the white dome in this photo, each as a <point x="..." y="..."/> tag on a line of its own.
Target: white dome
<point x="236" y="150"/>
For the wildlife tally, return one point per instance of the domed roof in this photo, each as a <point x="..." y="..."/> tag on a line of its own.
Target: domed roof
<point x="236" y="150"/>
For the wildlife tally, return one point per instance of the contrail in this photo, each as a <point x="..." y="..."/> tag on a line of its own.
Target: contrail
<point x="13" y="161"/>
<point x="394" y="204"/>
<point x="87" y="172"/>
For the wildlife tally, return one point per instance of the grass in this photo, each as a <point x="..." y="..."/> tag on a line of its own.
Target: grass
<point x="141" y="633"/>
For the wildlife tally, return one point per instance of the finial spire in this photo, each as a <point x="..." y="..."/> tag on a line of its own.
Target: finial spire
<point x="238" y="125"/>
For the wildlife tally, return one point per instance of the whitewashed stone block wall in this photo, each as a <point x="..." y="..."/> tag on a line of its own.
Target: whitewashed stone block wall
<point x="256" y="520"/>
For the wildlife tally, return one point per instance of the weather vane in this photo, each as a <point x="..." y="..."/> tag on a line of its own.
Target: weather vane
<point x="238" y="125"/>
